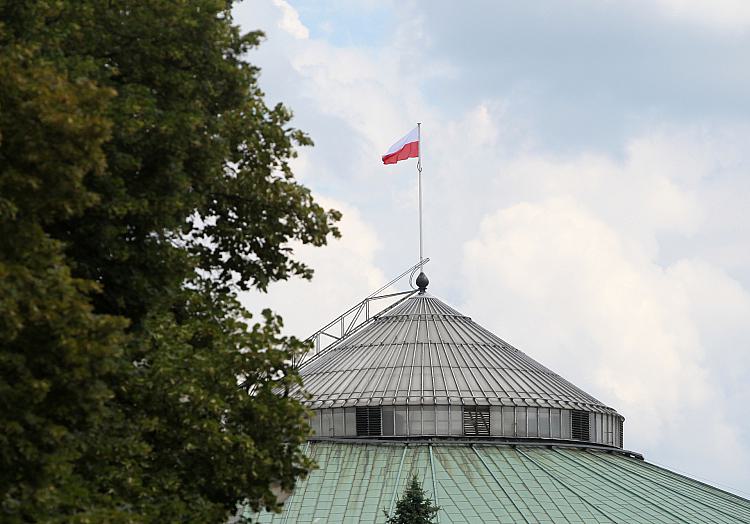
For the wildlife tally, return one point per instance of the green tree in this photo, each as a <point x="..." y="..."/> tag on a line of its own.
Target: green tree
<point x="143" y="181"/>
<point x="414" y="507"/>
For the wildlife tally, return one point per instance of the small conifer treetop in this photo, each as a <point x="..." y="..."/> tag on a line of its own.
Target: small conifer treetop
<point x="414" y="507"/>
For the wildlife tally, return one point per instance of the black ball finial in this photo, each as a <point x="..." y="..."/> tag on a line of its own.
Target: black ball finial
<point x="422" y="282"/>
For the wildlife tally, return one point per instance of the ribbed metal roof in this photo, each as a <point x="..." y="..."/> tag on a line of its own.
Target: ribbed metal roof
<point x="424" y="352"/>
<point x="496" y="483"/>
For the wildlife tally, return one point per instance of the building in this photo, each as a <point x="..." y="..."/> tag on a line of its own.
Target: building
<point x="493" y="435"/>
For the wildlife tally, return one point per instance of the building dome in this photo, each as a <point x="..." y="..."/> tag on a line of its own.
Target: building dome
<point x="494" y="436"/>
<point x="422" y="369"/>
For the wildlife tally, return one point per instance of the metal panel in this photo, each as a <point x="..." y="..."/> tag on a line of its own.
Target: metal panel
<point x="326" y="423"/>
<point x="521" y="429"/>
<point x="565" y="423"/>
<point x="388" y="420"/>
<point x="415" y="420"/>
<point x="338" y="422"/>
<point x="428" y="420"/>
<point x="400" y="412"/>
<point x="456" y="421"/>
<point x="315" y="422"/>
<point x="350" y="422"/>
<point x="532" y="422"/>
<point x="554" y="422"/>
<point x="509" y="421"/>
<point x="441" y="415"/>
<point x="543" y="416"/>
<point x="496" y="420"/>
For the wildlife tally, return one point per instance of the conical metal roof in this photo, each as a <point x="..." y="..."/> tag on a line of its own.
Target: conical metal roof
<point x="423" y="352"/>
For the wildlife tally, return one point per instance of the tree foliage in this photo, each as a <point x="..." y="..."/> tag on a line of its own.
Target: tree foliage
<point x="414" y="507"/>
<point x="143" y="180"/>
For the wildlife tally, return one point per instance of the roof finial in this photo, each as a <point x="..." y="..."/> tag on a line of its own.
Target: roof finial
<point x="422" y="282"/>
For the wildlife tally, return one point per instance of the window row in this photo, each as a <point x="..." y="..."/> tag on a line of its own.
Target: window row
<point x="451" y="420"/>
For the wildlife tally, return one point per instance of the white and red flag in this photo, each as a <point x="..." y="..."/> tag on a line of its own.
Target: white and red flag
<point x="407" y="147"/>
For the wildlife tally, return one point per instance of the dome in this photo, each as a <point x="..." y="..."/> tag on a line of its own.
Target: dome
<point x="493" y="436"/>
<point x="423" y="369"/>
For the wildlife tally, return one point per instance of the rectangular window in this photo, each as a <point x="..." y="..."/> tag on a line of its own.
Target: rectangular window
<point x="368" y="421"/>
<point x="476" y="420"/>
<point x="388" y="420"/>
<point x="400" y="428"/>
<point x="579" y="425"/>
<point x="544" y="416"/>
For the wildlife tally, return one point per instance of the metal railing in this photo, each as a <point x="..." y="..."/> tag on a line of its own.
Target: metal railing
<point x="338" y="329"/>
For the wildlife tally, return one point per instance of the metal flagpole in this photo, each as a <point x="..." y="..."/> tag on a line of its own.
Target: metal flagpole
<point x="419" y="169"/>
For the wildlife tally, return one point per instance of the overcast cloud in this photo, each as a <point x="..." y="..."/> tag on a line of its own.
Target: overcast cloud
<point x="587" y="180"/>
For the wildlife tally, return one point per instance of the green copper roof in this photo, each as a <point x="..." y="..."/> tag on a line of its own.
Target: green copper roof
<point x="501" y="483"/>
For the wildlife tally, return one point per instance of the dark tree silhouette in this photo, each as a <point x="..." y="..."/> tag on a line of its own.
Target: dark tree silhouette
<point x="414" y="507"/>
<point x="143" y="182"/>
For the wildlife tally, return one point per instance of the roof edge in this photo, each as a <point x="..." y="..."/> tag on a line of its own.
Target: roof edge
<point x="479" y="441"/>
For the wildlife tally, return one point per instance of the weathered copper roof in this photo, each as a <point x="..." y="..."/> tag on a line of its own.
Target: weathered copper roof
<point x="487" y="483"/>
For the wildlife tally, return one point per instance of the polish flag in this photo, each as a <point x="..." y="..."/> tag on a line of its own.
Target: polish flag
<point x="407" y="147"/>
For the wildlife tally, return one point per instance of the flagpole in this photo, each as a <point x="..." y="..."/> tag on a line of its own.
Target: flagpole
<point x="419" y="169"/>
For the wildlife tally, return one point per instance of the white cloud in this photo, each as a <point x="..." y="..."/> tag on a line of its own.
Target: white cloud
<point x="586" y="296"/>
<point x="290" y="21"/>
<point x="621" y="270"/>
<point x="733" y="15"/>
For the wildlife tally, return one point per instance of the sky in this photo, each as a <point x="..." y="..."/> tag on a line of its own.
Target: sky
<point x="586" y="189"/>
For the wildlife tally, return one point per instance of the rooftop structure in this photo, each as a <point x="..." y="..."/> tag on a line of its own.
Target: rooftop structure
<point x="494" y="435"/>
